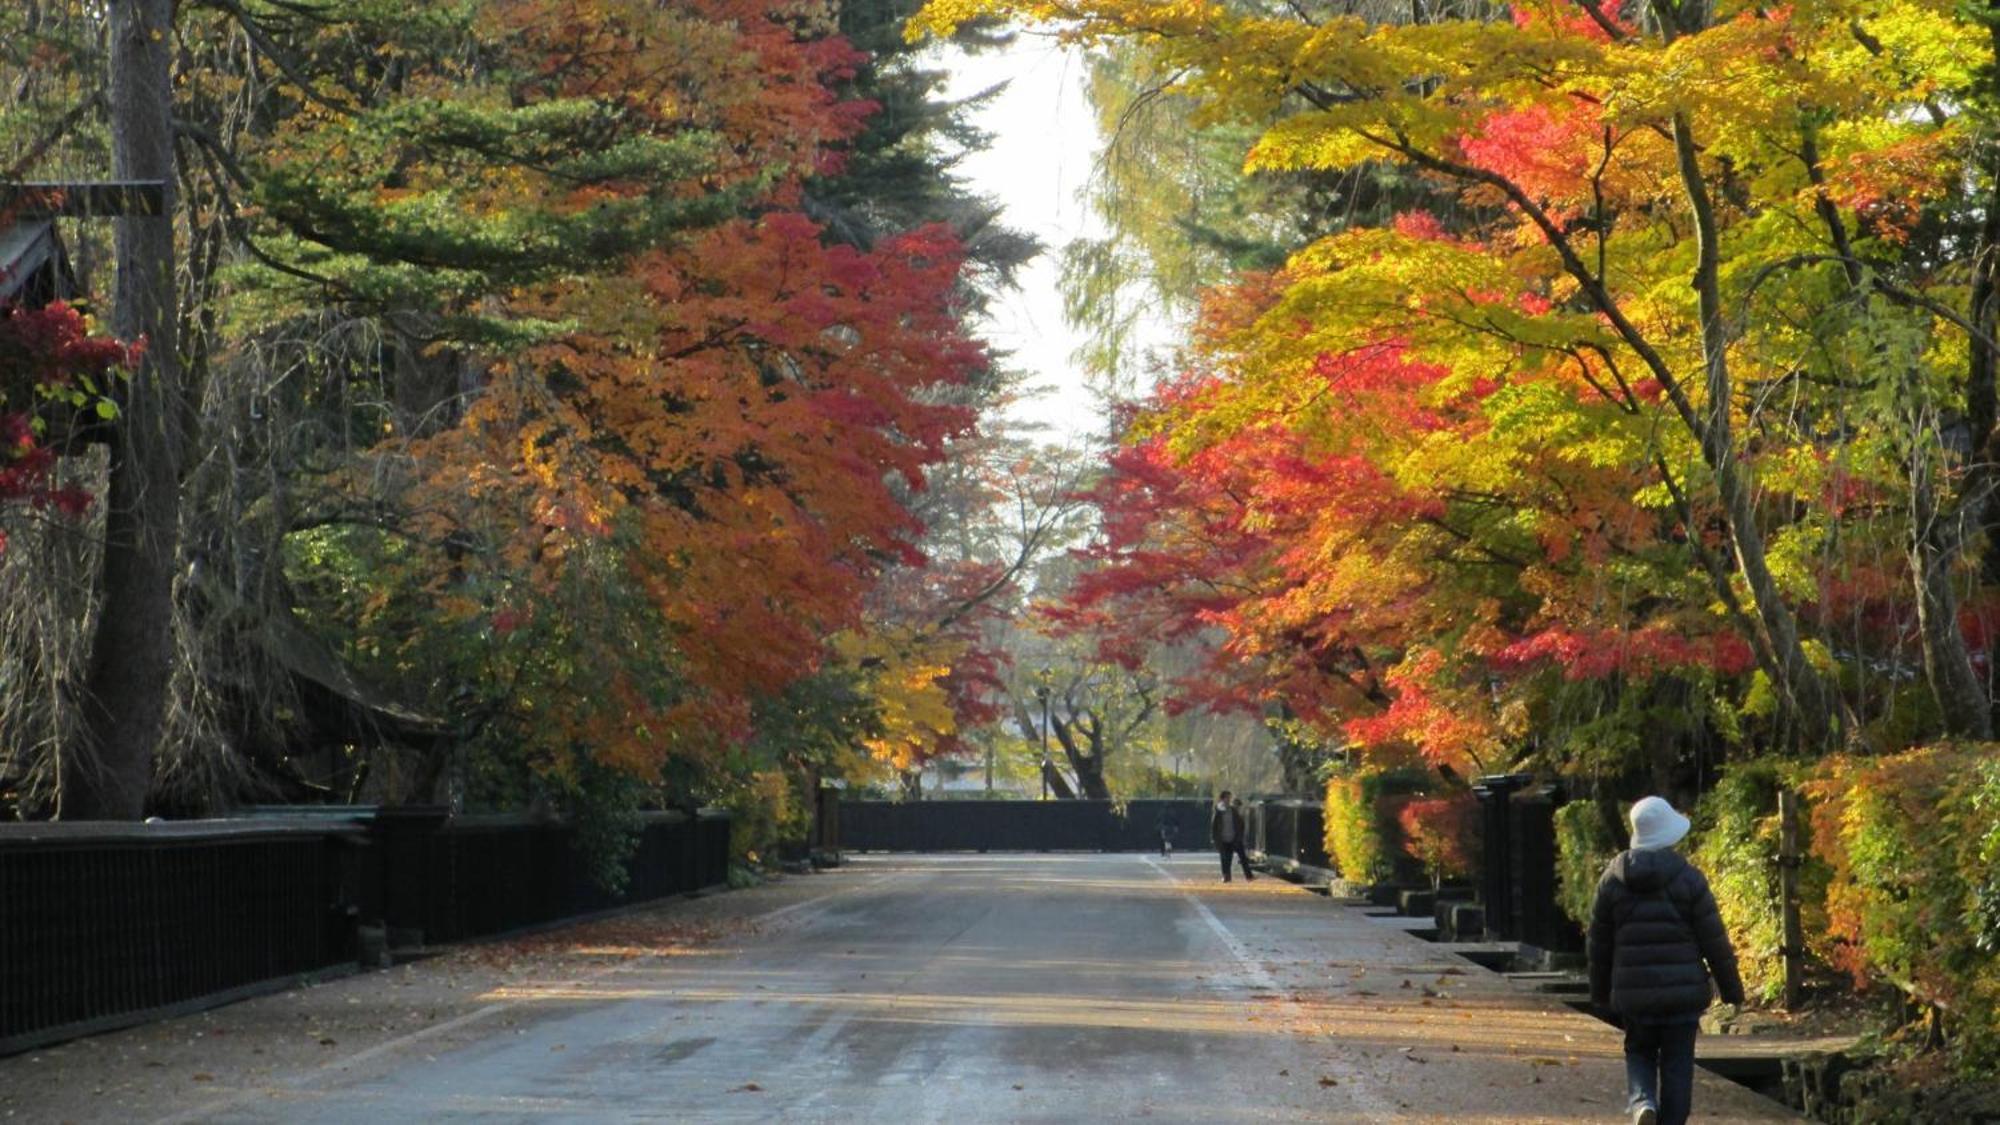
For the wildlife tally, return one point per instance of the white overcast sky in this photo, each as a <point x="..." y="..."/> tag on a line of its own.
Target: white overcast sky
<point x="1044" y="148"/>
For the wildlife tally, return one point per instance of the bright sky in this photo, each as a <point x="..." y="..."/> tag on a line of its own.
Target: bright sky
<point x="1045" y="143"/>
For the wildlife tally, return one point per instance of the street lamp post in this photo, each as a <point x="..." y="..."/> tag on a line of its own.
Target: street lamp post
<point x="1042" y="690"/>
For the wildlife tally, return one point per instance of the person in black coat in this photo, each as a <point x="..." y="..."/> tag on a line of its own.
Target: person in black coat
<point x="1658" y="953"/>
<point x="1225" y="831"/>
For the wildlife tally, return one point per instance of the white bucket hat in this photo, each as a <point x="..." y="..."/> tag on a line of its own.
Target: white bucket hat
<point x="1655" y="824"/>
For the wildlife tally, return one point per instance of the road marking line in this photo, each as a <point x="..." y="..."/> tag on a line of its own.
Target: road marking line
<point x="782" y="911"/>
<point x="1376" y="1105"/>
<point x="310" y="1078"/>
<point x="1260" y="978"/>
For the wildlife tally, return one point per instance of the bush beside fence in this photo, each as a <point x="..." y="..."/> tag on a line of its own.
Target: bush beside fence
<point x="105" y="925"/>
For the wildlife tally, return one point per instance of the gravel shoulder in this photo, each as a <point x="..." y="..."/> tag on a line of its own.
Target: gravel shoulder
<point x="185" y="1067"/>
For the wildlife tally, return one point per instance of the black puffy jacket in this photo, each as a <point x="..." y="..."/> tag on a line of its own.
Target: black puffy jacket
<point x="1235" y="816"/>
<point x="1651" y="930"/>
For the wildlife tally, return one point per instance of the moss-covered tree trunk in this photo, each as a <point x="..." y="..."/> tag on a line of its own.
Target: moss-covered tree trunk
<point x="125" y="691"/>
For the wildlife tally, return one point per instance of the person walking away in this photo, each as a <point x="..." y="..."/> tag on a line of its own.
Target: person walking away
<point x="1170" y="826"/>
<point x="1658" y="953"/>
<point x="1242" y="837"/>
<point x="1225" y="831"/>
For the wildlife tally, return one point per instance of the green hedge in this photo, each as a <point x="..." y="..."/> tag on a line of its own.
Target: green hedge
<point x="1362" y="834"/>
<point x="1912" y="847"/>
<point x="1900" y="884"/>
<point x="1736" y="837"/>
<point x="1584" y="844"/>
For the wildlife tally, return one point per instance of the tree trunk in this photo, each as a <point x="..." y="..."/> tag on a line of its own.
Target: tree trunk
<point x="1088" y="768"/>
<point x="1808" y="703"/>
<point x="1033" y="734"/>
<point x="1090" y="778"/>
<point x="1058" y="784"/>
<point x="131" y="650"/>
<point x="1948" y="667"/>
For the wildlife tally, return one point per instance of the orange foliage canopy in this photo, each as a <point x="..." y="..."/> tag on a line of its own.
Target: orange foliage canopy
<point x="737" y="408"/>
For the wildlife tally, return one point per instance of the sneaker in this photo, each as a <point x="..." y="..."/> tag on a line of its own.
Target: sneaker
<point x="1645" y="1115"/>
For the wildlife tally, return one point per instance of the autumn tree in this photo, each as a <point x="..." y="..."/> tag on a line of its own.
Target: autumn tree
<point x="537" y="382"/>
<point x="1674" y="268"/>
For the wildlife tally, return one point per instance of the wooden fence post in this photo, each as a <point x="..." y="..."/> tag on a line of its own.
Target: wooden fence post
<point x="1788" y="895"/>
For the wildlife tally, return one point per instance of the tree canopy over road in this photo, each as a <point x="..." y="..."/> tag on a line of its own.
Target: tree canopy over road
<point x="537" y="402"/>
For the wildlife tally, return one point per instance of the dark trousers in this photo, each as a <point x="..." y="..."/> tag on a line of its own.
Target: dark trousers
<point x="1233" y="850"/>
<point x="1659" y="1068"/>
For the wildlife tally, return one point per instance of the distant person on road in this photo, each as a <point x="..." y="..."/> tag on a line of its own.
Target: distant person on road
<point x="1242" y="836"/>
<point x="1656" y="939"/>
<point x="1170" y="826"/>
<point x="1225" y="831"/>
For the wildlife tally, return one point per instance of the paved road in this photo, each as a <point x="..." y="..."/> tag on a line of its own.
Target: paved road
<point x="1011" y="988"/>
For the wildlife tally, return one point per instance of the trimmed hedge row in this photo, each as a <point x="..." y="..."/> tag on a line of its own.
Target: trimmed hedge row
<point x="1899" y="885"/>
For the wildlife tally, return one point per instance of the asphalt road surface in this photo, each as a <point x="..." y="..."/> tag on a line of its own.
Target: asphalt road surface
<point x="1010" y="988"/>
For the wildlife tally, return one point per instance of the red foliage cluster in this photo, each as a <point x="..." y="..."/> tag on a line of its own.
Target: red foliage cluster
<point x="1442" y="833"/>
<point x="1593" y="654"/>
<point x="44" y="351"/>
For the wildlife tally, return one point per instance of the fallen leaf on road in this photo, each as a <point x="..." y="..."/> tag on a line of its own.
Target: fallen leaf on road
<point x="1328" y="1080"/>
<point x="204" y="1076"/>
<point x="750" y="1088"/>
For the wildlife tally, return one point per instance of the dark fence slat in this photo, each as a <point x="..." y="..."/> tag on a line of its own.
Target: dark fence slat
<point x="93" y="929"/>
<point x="101" y="924"/>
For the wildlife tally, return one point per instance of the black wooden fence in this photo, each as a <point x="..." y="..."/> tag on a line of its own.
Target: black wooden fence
<point x="1291" y="834"/>
<point x="1518" y="874"/>
<point x="107" y="925"/>
<point x="99" y="921"/>
<point x="1517" y="879"/>
<point x="1517" y="882"/>
<point x="1057" y="826"/>
<point x="479" y="875"/>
